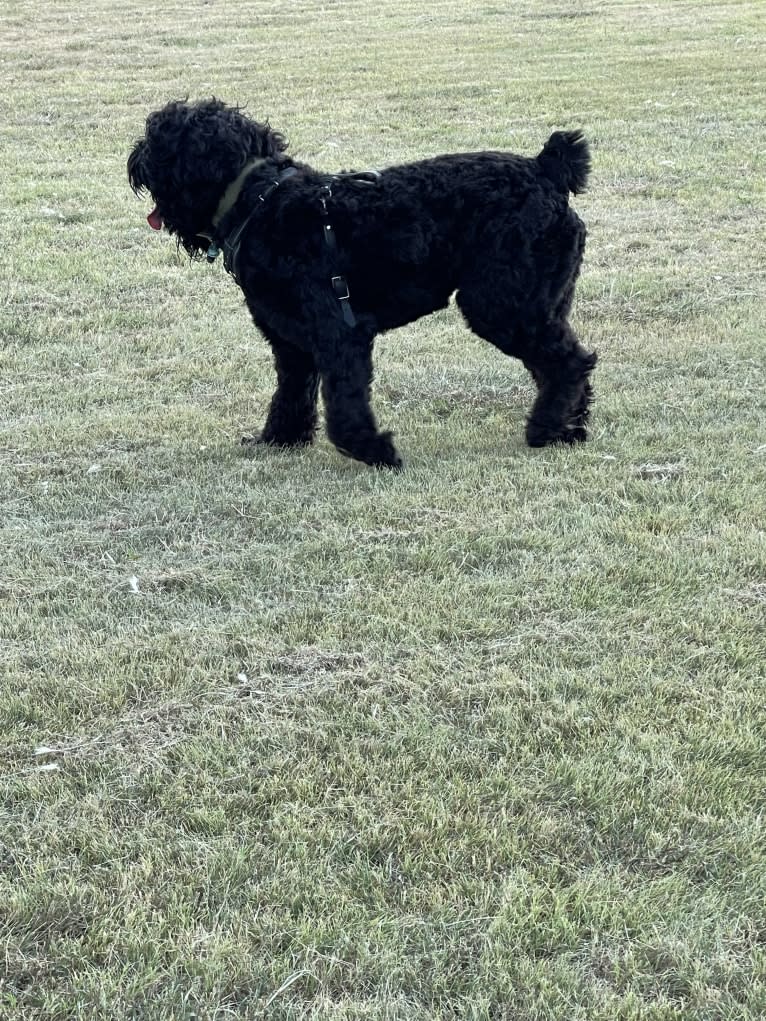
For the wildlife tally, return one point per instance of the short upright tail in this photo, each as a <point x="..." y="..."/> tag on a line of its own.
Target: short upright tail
<point x="565" y="160"/>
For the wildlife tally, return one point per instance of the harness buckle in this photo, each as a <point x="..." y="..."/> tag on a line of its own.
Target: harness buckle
<point x="340" y="287"/>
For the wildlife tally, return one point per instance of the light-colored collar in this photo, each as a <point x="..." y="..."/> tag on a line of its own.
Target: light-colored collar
<point x="231" y="194"/>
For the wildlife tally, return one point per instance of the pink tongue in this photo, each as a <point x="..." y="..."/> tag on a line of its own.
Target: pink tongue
<point x="155" y="220"/>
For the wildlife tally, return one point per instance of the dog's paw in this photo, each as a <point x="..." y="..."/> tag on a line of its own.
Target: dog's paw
<point x="575" y="434"/>
<point x="384" y="454"/>
<point x="378" y="451"/>
<point x="389" y="455"/>
<point x="538" y="436"/>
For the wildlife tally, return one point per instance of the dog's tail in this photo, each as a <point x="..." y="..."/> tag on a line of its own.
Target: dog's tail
<point x="565" y="160"/>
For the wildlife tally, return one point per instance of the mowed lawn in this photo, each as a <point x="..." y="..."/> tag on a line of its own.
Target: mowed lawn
<point x="284" y="737"/>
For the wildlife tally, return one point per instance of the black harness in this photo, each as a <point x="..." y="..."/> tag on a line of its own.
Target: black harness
<point x="232" y="243"/>
<point x="338" y="282"/>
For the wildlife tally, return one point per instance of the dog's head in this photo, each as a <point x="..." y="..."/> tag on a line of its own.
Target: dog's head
<point x="189" y="155"/>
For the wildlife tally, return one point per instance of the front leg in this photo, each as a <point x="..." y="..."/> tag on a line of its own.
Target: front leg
<point x="292" y="416"/>
<point x="351" y="426"/>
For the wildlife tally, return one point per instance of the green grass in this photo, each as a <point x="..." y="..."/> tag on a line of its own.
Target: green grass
<point x="283" y="737"/>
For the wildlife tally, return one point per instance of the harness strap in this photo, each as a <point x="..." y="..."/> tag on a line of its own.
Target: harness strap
<point x="337" y="282"/>
<point x="232" y="242"/>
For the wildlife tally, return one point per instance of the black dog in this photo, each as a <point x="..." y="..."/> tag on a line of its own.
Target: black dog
<point x="327" y="262"/>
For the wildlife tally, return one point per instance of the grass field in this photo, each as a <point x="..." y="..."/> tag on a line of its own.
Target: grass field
<point x="286" y="738"/>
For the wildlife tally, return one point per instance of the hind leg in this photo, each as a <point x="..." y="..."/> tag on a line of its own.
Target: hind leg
<point x="581" y="409"/>
<point x="558" y="363"/>
<point x="561" y="368"/>
<point x="521" y="306"/>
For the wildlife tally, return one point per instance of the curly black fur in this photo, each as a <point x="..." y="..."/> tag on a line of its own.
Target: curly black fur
<point x="494" y="227"/>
